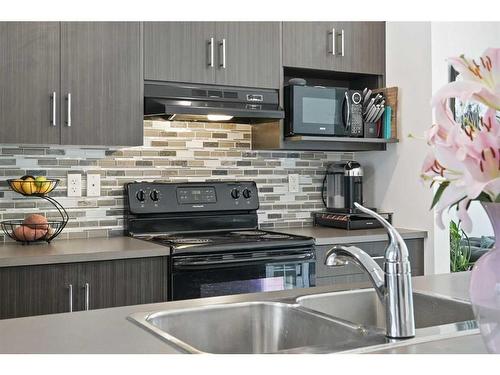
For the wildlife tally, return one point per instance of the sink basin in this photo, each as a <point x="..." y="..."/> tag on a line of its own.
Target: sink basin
<point x="363" y="307"/>
<point x="256" y="327"/>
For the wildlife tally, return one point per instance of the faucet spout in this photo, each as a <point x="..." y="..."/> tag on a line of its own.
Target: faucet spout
<point x="392" y="283"/>
<point x="341" y="255"/>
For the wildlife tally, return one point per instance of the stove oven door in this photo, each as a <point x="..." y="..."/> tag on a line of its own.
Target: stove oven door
<point x="217" y="275"/>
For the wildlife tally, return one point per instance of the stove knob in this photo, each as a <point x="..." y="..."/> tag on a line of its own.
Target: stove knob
<point x="141" y="196"/>
<point x="155" y="196"/>
<point x="235" y="193"/>
<point x="247" y="193"/>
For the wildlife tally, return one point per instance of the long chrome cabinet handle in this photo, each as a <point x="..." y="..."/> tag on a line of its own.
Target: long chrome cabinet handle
<point x="54" y="109"/>
<point x="70" y="297"/>
<point x="223" y="47"/>
<point x="87" y="296"/>
<point x="333" y="41"/>
<point x="342" y="50"/>
<point x="68" y="114"/>
<point x="211" y="53"/>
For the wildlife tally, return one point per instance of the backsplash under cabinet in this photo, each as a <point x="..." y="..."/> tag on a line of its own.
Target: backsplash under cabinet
<point x="172" y="151"/>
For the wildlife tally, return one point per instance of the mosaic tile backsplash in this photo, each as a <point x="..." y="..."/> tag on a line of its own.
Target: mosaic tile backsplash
<point x="173" y="151"/>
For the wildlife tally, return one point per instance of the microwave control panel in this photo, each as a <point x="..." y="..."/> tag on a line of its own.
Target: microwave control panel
<point x="356" y="115"/>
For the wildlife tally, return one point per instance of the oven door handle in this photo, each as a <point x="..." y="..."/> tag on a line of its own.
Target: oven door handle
<point x="189" y="263"/>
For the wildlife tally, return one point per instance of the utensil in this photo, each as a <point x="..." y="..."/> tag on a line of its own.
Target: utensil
<point x="369" y="106"/>
<point x="366" y="96"/>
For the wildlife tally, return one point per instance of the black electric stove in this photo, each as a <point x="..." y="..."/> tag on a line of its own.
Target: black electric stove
<point x="216" y="246"/>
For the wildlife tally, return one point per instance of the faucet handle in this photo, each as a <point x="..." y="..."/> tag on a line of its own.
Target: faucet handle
<point x="396" y="249"/>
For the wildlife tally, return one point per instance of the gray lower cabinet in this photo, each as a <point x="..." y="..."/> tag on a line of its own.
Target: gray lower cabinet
<point x="222" y="53"/>
<point x="248" y="54"/>
<point x="180" y="51"/>
<point x="101" y="83"/>
<point x="354" y="47"/>
<point x="124" y="282"/>
<point x="38" y="290"/>
<point x="29" y="77"/>
<point x="352" y="274"/>
<point x="57" y="288"/>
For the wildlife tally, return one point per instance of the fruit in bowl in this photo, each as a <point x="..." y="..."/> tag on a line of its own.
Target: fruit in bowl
<point x="36" y="221"/>
<point x="25" y="233"/>
<point x="34" y="227"/>
<point x="30" y="185"/>
<point x="42" y="185"/>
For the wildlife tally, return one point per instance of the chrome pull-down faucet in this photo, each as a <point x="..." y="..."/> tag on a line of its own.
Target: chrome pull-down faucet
<point x="392" y="284"/>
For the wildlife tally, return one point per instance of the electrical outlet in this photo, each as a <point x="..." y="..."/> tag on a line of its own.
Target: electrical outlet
<point x="293" y="183"/>
<point x="74" y="185"/>
<point x="93" y="185"/>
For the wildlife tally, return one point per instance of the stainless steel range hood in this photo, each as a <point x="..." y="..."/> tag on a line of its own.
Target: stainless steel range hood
<point x="181" y="101"/>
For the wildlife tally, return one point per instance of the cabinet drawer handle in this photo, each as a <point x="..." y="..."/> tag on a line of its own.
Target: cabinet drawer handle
<point x="68" y="113"/>
<point x="211" y="53"/>
<point x="332" y="33"/>
<point x="223" y="49"/>
<point x="87" y="296"/>
<point x="70" y="298"/>
<point x="54" y="109"/>
<point x="342" y="48"/>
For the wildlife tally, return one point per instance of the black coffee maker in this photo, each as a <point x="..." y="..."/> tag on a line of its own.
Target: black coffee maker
<point x="343" y="186"/>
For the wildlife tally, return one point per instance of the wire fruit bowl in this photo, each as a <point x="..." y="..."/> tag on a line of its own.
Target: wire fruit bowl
<point x="19" y="231"/>
<point x="35" y="228"/>
<point x="32" y="187"/>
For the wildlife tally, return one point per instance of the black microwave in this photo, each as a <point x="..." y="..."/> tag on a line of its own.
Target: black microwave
<point x="323" y="111"/>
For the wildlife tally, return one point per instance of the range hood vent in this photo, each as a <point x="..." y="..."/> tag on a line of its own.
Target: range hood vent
<point x="195" y="102"/>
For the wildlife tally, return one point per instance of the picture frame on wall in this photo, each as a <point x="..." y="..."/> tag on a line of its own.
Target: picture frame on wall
<point x="465" y="113"/>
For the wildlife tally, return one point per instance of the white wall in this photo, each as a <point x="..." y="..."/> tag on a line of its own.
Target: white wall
<point x="416" y="63"/>
<point x="392" y="177"/>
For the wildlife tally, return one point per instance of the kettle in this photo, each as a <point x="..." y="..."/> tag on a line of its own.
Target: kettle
<point x="344" y="186"/>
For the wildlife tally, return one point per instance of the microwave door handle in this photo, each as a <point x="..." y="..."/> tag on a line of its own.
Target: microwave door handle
<point x="348" y="112"/>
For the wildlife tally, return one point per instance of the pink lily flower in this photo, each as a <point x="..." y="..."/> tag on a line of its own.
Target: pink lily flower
<point x="465" y="158"/>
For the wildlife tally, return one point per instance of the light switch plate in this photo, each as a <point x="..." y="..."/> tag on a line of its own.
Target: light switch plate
<point x="74" y="185"/>
<point x="293" y="183"/>
<point x="93" y="185"/>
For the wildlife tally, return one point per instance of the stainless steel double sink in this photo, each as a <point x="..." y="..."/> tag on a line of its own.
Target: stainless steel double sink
<point x="320" y="323"/>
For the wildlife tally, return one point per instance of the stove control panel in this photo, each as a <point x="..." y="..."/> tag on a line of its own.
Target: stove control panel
<point x="158" y="197"/>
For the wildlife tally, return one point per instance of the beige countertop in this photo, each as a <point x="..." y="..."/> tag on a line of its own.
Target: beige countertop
<point x="109" y="331"/>
<point x="330" y="236"/>
<point x="98" y="249"/>
<point x="78" y="250"/>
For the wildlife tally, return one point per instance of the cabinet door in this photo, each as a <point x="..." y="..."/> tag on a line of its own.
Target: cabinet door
<point x="29" y="75"/>
<point x="352" y="273"/>
<point x="38" y="290"/>
<point x="319" y="45"/>
<point x="124" y="282"/>
<point x="248" y="54"/>
<point x="179" y="51"/>
<point x="101" y="68"/>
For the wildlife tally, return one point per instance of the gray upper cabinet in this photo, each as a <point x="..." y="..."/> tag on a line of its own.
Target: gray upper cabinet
<point x="29" y="77"/>
<point x="248" y="54"/>
<point x="355" y="47"/>
<point x="179" y="51"/>
<point x="101" y="83"/>
<point x="222" y="53"/>
<point x="71" y="83"/>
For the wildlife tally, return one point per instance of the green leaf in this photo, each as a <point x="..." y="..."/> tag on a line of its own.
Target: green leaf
<point x="439" y="193"/>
